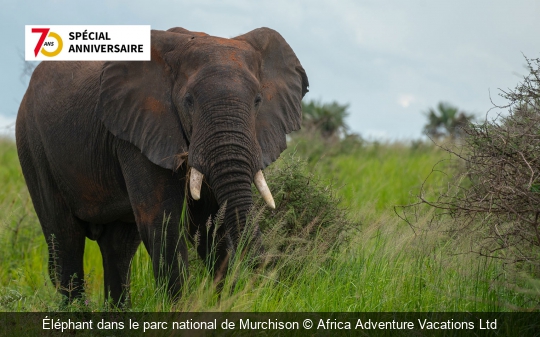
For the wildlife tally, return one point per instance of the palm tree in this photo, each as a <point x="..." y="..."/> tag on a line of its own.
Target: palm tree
<point x="447" y="120"/>
<point x="328" y="118"/>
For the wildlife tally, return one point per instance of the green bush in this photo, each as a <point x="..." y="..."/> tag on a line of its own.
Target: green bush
<point x="494" y="198"/>
<point x="308" y="218"/>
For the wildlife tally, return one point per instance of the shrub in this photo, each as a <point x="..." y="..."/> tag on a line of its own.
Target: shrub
<point x="308" y="218"/>
<point x="495" y="197"/>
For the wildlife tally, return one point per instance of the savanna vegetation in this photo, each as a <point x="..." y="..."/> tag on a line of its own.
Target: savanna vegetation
<point x="335" y="239"/>
<point x="354" y="230"/>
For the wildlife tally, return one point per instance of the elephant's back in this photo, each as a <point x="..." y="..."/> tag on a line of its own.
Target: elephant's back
<point x="57" y="112"/>
<point x="60" y="89"/>
<point x="58" y="131"/>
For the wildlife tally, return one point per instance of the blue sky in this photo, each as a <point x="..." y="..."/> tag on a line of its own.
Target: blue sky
<point x="389" y="59"/>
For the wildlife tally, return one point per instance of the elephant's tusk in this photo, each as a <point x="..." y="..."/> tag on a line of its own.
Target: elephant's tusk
<point x="261" y="185"/>
<point x="195" y="182"/>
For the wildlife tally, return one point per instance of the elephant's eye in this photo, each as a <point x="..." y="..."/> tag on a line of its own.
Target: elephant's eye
<point x="188" y="101"/>
<point x="258" y="100"/>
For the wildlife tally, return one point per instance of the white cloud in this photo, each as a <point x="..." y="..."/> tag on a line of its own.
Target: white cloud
<point x="405" y="100"/>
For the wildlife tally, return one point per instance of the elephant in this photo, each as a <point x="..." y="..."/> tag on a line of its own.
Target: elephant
<point x="108" y="150"/>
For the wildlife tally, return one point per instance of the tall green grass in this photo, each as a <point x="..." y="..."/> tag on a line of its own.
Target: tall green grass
<point x="383" y="266"/>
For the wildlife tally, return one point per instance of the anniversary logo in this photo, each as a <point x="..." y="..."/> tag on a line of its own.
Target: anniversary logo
<point x="87" y="43"/>
<point x="45" y="32"/>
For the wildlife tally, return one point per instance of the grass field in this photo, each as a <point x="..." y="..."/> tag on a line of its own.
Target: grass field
<point x="383" y="266"/>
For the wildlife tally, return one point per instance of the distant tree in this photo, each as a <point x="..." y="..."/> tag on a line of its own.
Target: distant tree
<point x="27" y="69"/>
<point x="328" y="118"/>
<point x="446" y="121"/>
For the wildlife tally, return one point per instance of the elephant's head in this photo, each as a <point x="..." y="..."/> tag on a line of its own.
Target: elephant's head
<point x="228" y="103"/>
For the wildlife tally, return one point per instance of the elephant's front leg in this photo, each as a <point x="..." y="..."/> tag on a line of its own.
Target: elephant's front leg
<point x="214" y="245"/>
<point x="156" y="196"/>
<point x="118" y="243"/>
<point x="161" y="230"/>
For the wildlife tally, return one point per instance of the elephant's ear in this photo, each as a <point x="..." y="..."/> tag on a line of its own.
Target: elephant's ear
<point x="135" y="104"/>
<point x="283" y="84"/>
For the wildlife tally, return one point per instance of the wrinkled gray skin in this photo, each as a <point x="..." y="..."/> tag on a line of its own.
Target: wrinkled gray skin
<point x="101" y="144"/>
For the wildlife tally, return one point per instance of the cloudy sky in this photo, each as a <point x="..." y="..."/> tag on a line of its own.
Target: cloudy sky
<point x="389" y="59"/>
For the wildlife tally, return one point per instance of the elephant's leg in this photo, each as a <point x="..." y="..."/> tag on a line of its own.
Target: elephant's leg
<point x="217" y="249"/>
<point x="65" y="238"/>
<point x="214" y="245"/>
<point x="64" y="233"/>
<point x="156" y="195"/>
<point x="162" y="236"/>
<point x="118" y="243"/>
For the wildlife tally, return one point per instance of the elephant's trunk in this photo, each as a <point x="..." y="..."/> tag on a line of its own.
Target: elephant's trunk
<point x="196" y="179"/>
<point x="223" y="148"/>
<point x="235" y="193"/>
